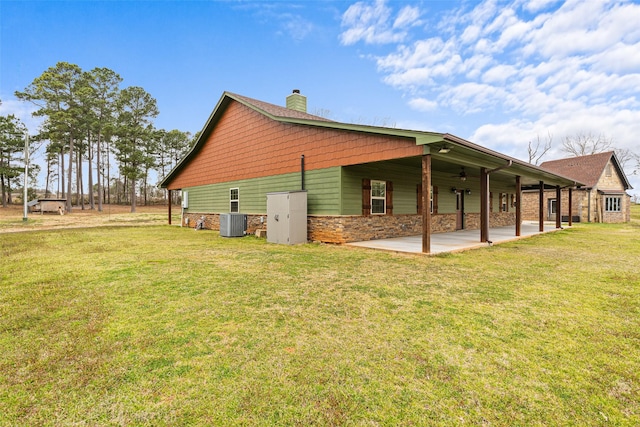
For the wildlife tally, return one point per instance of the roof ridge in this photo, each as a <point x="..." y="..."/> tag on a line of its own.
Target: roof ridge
<point x="585" y="156"/>
<point x="274" y="109"/>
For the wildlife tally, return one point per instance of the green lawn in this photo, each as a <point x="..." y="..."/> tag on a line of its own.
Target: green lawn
<point x="165" y="326"/>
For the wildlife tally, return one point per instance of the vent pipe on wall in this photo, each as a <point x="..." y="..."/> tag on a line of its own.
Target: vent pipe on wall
<point x="302" y="172"/>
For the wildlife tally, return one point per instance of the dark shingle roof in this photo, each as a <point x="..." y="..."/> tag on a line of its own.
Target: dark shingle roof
<point x="287" y="115"/>
<point x="276" y="110"/>
<point x="586" y="169"/>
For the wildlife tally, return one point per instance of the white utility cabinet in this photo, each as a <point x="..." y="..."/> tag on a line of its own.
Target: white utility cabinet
<point x="287" y="217"/>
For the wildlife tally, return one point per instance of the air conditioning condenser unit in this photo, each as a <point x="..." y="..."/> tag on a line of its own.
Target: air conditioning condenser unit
<point x="233" y="224"/>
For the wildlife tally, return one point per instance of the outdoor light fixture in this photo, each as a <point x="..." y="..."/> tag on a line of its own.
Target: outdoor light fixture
<point x="468" y="191"/>
<point x="444" y="149"/>
<point x="454" y="190"/>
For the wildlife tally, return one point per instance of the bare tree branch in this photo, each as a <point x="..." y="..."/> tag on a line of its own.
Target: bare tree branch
<point x="583" y="144"/>
<point x="625" y="157"/>
<point x="534" y="157"/>
<point x="636" y="168"/>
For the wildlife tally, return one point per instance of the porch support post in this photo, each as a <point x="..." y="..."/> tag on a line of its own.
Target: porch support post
<point x="558" y="207"/>
<point x="169" y="198"/>
<point x="541" y="207"/>
<point x="484" y="205"/>
<point x="426" y="203"/>
<point x="518" y="207"/>
<point x="570" y="206"/>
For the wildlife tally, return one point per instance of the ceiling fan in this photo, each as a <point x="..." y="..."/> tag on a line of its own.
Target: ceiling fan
<point x="462" y="175"/>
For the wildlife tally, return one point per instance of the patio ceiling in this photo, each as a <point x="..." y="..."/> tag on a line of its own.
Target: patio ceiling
<point x="473" y="157"/>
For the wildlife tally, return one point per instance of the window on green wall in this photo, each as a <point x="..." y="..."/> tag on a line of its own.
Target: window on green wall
<point x="378" y="197"/>
<point x="503" y="202"/>
<point x="234" y="200"/>
<point x="431" y="200"/>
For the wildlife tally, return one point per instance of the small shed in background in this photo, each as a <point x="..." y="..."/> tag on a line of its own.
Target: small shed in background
<point x="47" y="205"/>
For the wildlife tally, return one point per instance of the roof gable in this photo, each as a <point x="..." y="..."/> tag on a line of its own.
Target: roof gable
<point x="587" y="169"/>
<point x="429" y="142"/>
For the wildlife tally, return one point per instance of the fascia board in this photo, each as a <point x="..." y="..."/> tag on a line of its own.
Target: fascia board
<point x="518" y="167"/>
<point x="206" y="130"/>
<point x="421" y="137"/>
<point x="621" y="173"/>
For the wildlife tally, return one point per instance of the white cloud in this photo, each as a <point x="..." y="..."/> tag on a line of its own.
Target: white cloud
<point x="422" y="104"/>
<point x="372" y="23"/>
<point x="499" y="74"/>
<point x="296" y="27"/>
<point x="532" y="65"/>
<point x="409" y="16"/>
<point x="471" y="33"/>
<point x="468" y="98"/>
<point x="516" y="68"/>
<point x="534" y="6"/>
<point x="287" y="18"/>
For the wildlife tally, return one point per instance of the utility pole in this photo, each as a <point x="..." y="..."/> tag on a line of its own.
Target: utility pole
<point x="26" y="174"/>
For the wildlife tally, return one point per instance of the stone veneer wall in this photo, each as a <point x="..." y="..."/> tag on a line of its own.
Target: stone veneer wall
<point x="354" y="228"/>
<point x="579" y="210"/>
<point x="580" y="206"/>
<point x="212" y="221"/>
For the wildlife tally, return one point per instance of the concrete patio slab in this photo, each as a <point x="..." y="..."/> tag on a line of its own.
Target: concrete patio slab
<point x="455" y="241"/>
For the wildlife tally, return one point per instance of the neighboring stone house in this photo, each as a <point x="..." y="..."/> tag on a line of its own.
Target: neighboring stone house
<point x="603" y="197"/>
<point x="362" y="182"/>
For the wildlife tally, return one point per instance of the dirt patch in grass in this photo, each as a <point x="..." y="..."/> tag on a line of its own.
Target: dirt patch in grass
<point x="11" y="218"/>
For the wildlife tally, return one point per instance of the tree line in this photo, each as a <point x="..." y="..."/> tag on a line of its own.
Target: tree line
<point x="89" y="120"/>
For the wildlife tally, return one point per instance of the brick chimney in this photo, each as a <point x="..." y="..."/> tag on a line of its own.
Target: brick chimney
<point x="297" y="102"/>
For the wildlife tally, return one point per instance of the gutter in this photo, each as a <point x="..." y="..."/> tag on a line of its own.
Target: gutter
<point x="508" y="165"/>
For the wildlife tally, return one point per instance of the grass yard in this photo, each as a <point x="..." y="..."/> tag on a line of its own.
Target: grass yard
<point x="11" y="218"/>
<point x="165" y="326"/>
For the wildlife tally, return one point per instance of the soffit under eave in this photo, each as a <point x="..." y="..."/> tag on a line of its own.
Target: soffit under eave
<point x="471" y="157"/>
<point x="463" y="155"/>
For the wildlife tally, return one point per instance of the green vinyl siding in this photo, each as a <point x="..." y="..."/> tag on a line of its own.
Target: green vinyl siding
<point x="322" y="187"/>
<point x="405" y="180"/>
<point x="338" y="190"/>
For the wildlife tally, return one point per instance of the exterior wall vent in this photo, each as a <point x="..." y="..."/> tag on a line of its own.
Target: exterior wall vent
<point x="233" y="224"/>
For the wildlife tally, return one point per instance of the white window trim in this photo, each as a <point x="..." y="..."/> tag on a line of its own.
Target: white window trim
<point x="383" y="198"/>
<point x="234" y="200"/>
<point x="431" y="200"/>
<point x="613" y="204"/>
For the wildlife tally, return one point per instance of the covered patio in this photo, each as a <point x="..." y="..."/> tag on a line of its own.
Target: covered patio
<point x="457" y="241"/>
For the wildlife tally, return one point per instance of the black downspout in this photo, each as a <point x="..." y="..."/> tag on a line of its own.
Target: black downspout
<point x="302" y="171"/>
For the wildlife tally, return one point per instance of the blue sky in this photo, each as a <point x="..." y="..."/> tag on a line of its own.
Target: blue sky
<point x="499" y="73"/>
